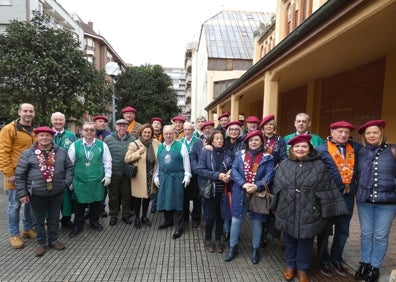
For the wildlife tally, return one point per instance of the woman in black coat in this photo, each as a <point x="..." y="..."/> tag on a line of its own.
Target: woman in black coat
<point x="305" y="196"/>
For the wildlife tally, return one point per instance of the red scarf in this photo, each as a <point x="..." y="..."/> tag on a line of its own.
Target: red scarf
<point x="250" y="166"/>
<point x="46" y="164"/>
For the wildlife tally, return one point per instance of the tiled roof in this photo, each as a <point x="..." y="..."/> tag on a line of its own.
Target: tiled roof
<point x="230" y="34"/>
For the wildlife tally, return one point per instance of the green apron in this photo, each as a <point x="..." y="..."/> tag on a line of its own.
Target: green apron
<point x="88" y="172"/>
<point x="171" y="174"/>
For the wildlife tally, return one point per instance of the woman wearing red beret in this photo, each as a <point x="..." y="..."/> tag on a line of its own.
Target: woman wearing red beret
<point x="305" y="196"/>
<point x="252" y="170"/>
<point x="375" y="197"/>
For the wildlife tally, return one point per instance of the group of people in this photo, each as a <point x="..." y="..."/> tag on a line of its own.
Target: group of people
<point x="53" y="174"/>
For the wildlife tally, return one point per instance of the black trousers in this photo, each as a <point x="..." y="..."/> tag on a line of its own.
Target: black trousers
<point x="79" y="213"/>
<point x="191" y="193"/>
<point x="176" y="217"/>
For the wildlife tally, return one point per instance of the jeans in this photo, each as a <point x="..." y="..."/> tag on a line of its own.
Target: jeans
<point x="236" y="225"/>
<point x="298" y="252"/>
<point x="341" y="234"/>
<point x="42" y="208"/>
<point x="14" y="207"/>
<point x="375" y="224"/>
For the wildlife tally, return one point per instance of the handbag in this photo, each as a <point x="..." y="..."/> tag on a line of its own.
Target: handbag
<point x="260" y="201"/>
<point x="131" y="170"/>
<point x="206" y="190"/>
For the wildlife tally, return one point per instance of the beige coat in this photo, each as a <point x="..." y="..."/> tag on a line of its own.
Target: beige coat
<point x="139" y="183"/>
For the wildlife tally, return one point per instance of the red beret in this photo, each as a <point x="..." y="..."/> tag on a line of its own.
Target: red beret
<point x="207" y="123"/>
<point x="157" y="119"/>
<point x="266" y="119"/>
<point x="299" y="139"/>
<point x="342" y="123"/>
<point x="43" y="129"/>
<point x="100" y="117"/>
<point x="235" y="122"/>
<point x="129" y="109"/>
<point x="223" y="115"/>
<point x="253" y="119"/>
<point x="178" y="118"/>
<point x="377" y="122"/>
<point x="254" y="133"/>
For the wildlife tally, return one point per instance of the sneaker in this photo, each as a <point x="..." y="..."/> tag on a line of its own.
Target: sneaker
<point x="16" y="242"/>
<point x="40" y="250"/>
<point x="59" y="246"/>
<point x="209" y="246"/>
<point x="325" y="270"/>
<point x="29" y="234"/>
<point x="340" y="269"/>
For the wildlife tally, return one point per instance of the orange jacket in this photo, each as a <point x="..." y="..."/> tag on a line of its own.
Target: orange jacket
<point x="14" y="139"/>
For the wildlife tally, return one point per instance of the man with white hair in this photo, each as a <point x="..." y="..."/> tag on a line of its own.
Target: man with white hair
<point x="64" y="138"/>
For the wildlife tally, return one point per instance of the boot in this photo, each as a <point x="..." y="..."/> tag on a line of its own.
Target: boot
<point x="373" y="274"/>
<point x="231" y="253"/>
<point x="255" y="257"/>
<point x="363" y="271"/>
<point x="302" y="276"/>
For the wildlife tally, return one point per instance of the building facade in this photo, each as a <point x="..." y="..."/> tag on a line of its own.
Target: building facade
<point x="335" y="60"/>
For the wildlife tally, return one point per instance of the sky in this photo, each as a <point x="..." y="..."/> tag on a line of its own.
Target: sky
<point x="155" y="31"/>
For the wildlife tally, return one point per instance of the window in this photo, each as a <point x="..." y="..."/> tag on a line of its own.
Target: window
<point x="5" y="2"/>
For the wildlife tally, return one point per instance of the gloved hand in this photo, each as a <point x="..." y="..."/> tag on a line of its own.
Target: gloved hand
<point x="186" y="181"/>
<point x="71" y="187"/>
<point x="106" y="181"/>
<point x="156" y="181"/>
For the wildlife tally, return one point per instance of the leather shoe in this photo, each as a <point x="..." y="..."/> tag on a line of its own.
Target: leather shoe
<point x="138" y="224"/>
<point x="339" y="268"/>
<point x="97" y="226"/>
<point x="363" y="271"/>
<point x="255" y="257"/>
<point x="289" y="273"/>
<point x="177" y="234"/>
<point x="59" y="246"/>
<point x="166" y="224"/>
<point x="113" y="221"/>
<point x="75" y="232"/>
<point x="40" y="250"/>
<point x="232" y="252"/>
<point x="127" y="220"/>
<point x="302" y="276"/>
<point x="145" y="221"/>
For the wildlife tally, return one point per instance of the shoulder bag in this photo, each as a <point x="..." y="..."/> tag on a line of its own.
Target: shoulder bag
<point x="260" y="201"/>
<point x="131" y="169"/>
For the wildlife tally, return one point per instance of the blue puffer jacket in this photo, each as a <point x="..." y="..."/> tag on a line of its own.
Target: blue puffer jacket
<point x="240" y="198"/>
<point x="28" y="177"/>
<point x="384" y="182"/>
<point x="332" y="168"/>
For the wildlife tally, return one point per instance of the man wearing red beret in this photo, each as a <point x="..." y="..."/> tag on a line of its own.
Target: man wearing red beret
<point x="100" y="126"/>
<point x="129" y="114"/>
<point x="252" y="124"/>
<point x="178" y="123"/>
<point x="223" y="119"/>
<point x="338" y="153"/>
<point x="157" y="124"/>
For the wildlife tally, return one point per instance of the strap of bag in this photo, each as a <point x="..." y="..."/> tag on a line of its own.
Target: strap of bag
<point x="137" y="146"/>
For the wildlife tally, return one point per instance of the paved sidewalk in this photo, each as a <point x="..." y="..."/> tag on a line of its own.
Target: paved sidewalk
<point x="124" y="253"/>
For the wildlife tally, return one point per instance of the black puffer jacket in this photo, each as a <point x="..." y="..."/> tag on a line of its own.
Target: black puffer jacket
<point x="305" y="197"/>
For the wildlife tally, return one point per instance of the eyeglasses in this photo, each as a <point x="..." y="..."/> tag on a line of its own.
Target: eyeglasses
<point x="89" y="129"/>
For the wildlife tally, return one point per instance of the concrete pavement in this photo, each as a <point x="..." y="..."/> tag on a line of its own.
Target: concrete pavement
<point x="124" y="253"/>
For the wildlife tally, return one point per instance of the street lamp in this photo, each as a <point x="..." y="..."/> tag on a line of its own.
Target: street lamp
<point x="113" y="69"/>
